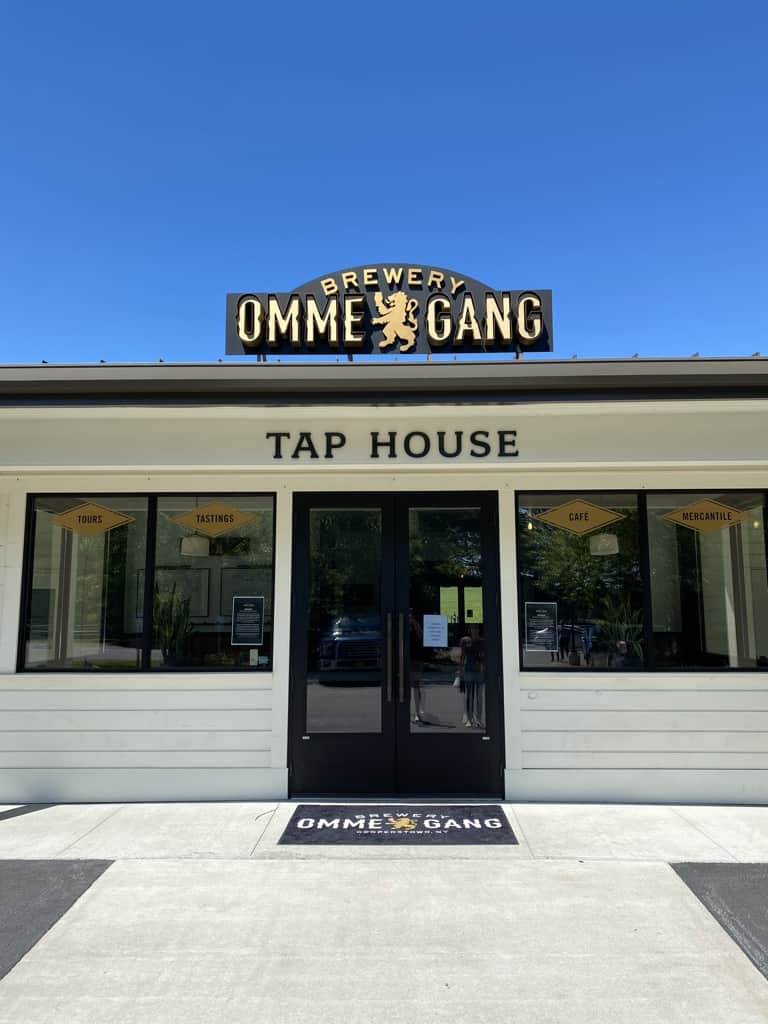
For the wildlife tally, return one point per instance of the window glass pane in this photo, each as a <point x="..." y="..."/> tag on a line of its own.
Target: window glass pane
<point x="85" y="610"/>
<point x="447" y="681"/>
<point x="209" y="551"/>
<point x="708" y="580"/>
<point x="345" y="653"/>
<point x="581" y="587"/>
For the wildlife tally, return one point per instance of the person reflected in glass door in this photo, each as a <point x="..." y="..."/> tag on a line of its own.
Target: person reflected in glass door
<point x="416" y="652"/>
<point x="472" y="667"/>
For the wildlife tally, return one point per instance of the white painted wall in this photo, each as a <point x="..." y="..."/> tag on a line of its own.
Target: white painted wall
<point x="224" y="736"/>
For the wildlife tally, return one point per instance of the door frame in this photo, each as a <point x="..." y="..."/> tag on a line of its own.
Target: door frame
<point x="395" y="533"/>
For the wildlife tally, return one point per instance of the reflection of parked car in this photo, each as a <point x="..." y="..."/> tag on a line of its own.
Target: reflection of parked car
<point x="352" y="641"/>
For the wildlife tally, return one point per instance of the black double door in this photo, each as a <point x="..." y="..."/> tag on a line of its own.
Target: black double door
<point x="395" y="674"/>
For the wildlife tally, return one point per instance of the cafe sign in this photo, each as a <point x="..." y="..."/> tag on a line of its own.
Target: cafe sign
<point x="389" y="308"/>
<point x="579" y="517"/>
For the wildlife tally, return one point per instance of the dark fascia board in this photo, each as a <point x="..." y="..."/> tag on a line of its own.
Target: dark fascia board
<point x="328" y="382"/>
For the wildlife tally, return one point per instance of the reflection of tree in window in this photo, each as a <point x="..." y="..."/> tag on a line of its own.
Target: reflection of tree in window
<point x="599" y="596"/>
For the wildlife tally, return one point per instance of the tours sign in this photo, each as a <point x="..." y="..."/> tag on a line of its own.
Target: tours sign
<point x="389" y="308"/>
<point x="90" y="519"/>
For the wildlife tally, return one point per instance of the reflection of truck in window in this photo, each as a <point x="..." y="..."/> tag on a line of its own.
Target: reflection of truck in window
<point x="351" y="641"/>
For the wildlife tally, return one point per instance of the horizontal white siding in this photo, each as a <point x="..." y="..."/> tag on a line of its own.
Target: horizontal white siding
<point x="116" y="785"/>
<point x="663" y="737"/>
<point x="639" y="785"/>
<point x="565" y="743"/>
<point x="728" y="699"/>
<point x="116" y="718"/>
<point x="643" y="759"/>
<point x="139" y="740"/>
<point x="135" y="759"/>
<point x="73" y="737"/>
<point x="30" y="698"/>
<point x="679" y="720"/>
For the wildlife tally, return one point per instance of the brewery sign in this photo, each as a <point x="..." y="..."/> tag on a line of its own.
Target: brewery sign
<point x="389" y="308"/>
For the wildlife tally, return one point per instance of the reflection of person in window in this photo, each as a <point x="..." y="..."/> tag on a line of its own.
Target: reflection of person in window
<point x="565" y="639"/>
<point x="472" y="667"/>
<point x="416" y="651"/>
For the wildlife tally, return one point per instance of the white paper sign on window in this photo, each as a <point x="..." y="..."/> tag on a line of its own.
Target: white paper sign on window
<point x="435" y="630"/>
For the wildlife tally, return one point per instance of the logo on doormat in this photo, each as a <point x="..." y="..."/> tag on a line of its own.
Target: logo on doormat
<point x="415" y="824"/>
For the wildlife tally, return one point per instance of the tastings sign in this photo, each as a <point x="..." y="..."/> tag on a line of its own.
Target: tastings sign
<point x="213" y="519"/>
<point x="389" y="308"/>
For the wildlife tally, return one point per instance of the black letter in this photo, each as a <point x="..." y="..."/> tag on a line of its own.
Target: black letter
<point x="305" y="445"/>
<point x="333" y="440"/>
<point x="507" y="440"/>
<point x="476" y="437"/>
<point x="278" y="443"/>
<point x="407" y="444"/>
<point x="376" y="444"/>
<point x="458" y="434"/>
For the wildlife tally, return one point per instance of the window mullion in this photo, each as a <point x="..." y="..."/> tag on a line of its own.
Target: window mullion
<point x="149" y="583"/>
<point x="645" y="576"/>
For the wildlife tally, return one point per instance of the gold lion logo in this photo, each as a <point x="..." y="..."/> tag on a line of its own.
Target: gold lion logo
<point x="406" y="823"/>
<point x="397" y="312"/>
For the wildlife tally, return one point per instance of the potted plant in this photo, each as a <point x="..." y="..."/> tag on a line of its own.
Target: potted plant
<point x="173" y="627"/>
<point x="622" y="627"/>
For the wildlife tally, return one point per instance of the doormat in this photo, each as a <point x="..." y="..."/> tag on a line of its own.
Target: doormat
<point x="398" y="824"/>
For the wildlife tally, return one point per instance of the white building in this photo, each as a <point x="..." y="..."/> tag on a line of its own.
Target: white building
<point x="538" y="579"/>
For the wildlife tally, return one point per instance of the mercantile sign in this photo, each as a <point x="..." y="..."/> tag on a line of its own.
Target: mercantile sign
<point x="386" y="308"/>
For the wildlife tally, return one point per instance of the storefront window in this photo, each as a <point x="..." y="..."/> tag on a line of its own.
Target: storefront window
<point x="84" y="608"/>
<point x="210" y="554"/>
<point x="709" y="587"/>
<point x="208" y="603"/>
<point x="580" y="582"/>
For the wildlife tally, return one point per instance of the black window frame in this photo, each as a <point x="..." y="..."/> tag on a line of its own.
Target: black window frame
<point x="152" y="497"/>
<point x="649" y="655"/>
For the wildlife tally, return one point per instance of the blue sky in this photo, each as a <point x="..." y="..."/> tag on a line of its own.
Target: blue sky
<point x="156" y="156"/>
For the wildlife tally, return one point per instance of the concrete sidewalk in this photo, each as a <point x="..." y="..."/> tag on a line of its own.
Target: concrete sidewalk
<point x="204" y="917"/>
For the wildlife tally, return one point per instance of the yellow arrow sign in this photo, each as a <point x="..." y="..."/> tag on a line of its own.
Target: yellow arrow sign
<point x="579" y="516"/>
<point x="89" y="519"/>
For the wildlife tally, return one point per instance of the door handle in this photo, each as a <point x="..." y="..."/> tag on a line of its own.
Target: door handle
<point x="401" y="673"/>
<point x="389" y="656"/>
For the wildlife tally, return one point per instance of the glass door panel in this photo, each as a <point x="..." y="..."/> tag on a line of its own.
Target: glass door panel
<point x="446" y="643"/>
<point x="345" y="653"/>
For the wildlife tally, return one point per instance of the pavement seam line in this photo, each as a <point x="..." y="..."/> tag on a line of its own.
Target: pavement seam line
<point x="272" y="813"/>
<point x="518" y="822"/>
<point x="706" y="835"/>
<point x="91" y="829"/>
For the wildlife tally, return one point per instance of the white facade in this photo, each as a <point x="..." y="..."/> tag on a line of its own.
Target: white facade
<point x="693" y="736"/>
